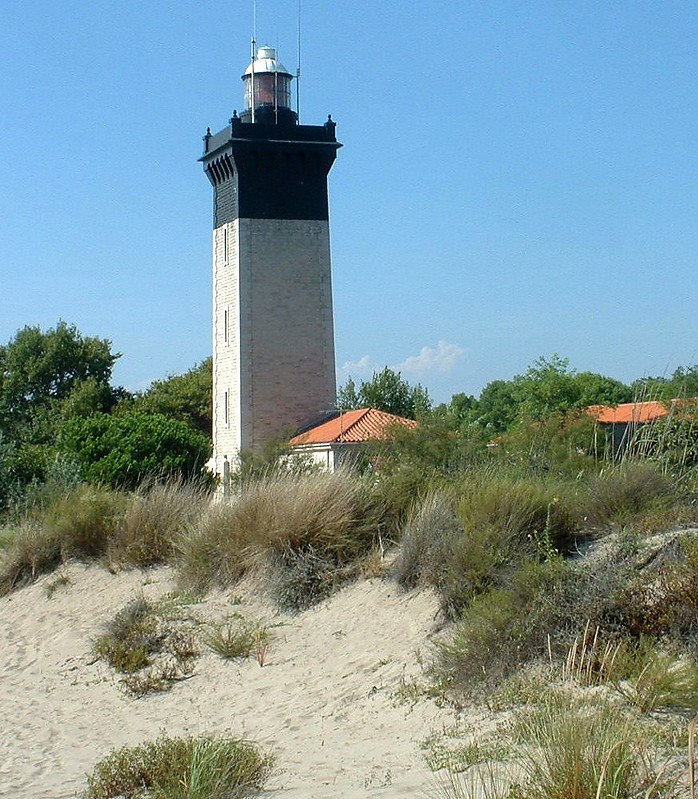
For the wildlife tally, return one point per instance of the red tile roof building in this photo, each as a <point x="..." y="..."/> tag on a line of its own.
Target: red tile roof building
<point x="331" y="442"/>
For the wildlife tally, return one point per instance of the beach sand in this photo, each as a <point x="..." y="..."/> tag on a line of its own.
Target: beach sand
<point x="324" y="704"/>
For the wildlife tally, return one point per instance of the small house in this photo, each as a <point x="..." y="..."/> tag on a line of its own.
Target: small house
<point x="338" y="441"/>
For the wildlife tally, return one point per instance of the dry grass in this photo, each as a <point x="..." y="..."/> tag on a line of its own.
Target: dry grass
<point x="77" y="524"/>
<point x="154" y="517"/>
<point x="428" y="541"/>
<point x="305" y="528"/>
<point x="87" y="522"/>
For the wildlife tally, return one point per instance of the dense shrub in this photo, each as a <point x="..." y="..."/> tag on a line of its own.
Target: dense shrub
<point x="122" y="451"/>
<point x="504" y="627"/>
<point x="620" y="494"/>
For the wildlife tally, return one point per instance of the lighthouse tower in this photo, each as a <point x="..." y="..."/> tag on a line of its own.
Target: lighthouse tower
<point x="273" y="331"/>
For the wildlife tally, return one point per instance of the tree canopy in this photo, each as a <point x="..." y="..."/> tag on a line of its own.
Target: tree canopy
<point x="39" y="367"/>
<point x="124" y="450"/>
<point x="385" y="391"/>
<point x="187" y="397"/>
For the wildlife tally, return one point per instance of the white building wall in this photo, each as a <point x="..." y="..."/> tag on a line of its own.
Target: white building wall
<point x="278" y="363"/>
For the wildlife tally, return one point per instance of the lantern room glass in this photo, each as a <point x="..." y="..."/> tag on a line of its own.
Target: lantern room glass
<point x="271" y="90"/>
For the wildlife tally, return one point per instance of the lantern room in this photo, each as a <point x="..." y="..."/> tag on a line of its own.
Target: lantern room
<point x="267" y="90"/>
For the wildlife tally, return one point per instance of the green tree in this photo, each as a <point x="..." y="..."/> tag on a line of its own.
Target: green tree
<point x="126" y="449"/>
<point x="548" y="386"/>
<point x="37" y="368"/>
<point x="497" y="408"/>
<point x="682" y="384"/>
<point x="187" y="397"/>
<point x="347" y="397"/>
<point x="385" y="391"/>
<point x="595" y="389"/>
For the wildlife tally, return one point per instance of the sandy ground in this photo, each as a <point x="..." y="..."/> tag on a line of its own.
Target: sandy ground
<point x="324" y="703"/>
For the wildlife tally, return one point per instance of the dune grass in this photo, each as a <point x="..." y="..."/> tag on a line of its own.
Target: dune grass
<point x="307" y="531"/>
<point x="204" y="767"/>
<point x="94" y="523"/>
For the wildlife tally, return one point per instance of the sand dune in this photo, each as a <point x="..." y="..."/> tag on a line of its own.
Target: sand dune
<point x="324" y="703"/>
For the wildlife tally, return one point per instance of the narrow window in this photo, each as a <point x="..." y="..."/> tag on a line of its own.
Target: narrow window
<point x="225" y="244"/>
<point x="225" y="326"/>
<point x="226" y="409"/>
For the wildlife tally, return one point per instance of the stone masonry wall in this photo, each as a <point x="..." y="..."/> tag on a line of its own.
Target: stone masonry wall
<point x="278" y="364"/>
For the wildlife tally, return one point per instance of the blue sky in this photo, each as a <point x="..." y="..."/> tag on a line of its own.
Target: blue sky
<point x="518" y="178"/>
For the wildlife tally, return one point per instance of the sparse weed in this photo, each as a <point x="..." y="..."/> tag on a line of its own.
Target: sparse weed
<point x="237" y="638"/>
<point x="60" y="581"/>
<point x="131" y="638"/>
<point x="142" y="643"/>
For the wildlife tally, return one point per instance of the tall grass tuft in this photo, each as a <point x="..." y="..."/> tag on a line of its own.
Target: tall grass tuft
<point x="284" y="522"/>
<point x="428" y="541"/>
<point x="77" y="524"/>
<point x="586" y="752"/>
<point x="154" y="517"/>
<point x="181" y="768"/>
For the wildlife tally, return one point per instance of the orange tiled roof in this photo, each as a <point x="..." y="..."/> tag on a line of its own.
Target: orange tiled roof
<point x="366" y="424"/>
<point x="628" y="412"/>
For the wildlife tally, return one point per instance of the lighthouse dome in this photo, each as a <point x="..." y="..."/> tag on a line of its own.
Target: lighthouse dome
<point x="266" y="62"/>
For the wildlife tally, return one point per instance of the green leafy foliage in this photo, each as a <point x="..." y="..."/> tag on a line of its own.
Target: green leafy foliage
<point x="386" y="391"/>
<point x="124" y="450"/>
<point x="37" y="367"/>
<point x="187" y="397"/>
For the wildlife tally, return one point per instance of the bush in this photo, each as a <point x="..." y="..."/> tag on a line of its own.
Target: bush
<point x="524" y="511"/>
<point x="131" y="637"/>
<point x="122" y="451"/>
<point x="503" y="628"/>
<point x="662" y="597"/>
<point x="181" y="768"/>
<point x="621" y="494"/>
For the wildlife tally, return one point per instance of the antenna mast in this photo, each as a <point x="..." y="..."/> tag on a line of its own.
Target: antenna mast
<point x="254" y="55"/>
<point x="298" y="68"/>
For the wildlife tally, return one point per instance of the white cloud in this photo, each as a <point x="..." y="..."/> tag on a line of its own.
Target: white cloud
<point x="441" y="359"/>
<point x="364" y="367"/>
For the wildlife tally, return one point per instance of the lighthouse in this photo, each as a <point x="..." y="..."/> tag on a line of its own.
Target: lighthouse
<point x="273" y="329"/>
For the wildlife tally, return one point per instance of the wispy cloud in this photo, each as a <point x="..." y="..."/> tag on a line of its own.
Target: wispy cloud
<point x="362" y="368"/>
<point x="441" y="358"/>
<point x="431" y="360"/>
